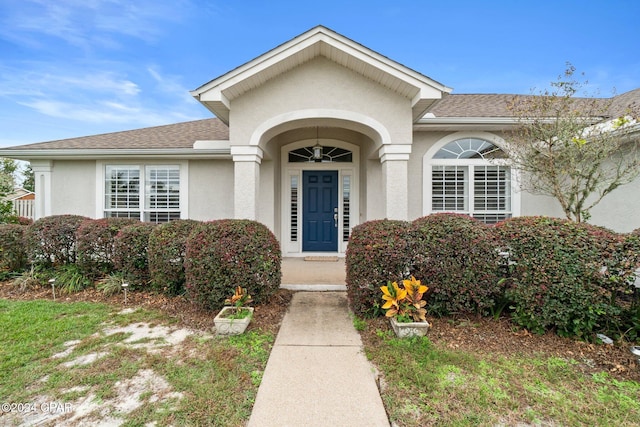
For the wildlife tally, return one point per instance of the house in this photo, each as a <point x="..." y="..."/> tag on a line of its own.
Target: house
<point x="23" y="202"/>
<point x="311" y="138"/>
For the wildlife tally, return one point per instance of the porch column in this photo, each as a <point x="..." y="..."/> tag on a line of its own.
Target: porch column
<point x="395" y="180"/>
<point x="246" y="167"/>
<point x="42" y="174"/>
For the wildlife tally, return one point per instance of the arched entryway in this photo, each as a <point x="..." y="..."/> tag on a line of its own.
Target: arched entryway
<point x="320" y="190"/>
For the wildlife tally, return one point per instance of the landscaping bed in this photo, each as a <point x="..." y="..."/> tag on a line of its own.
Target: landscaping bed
<point x="267" y="316"/>
<point x="481" y="371"/>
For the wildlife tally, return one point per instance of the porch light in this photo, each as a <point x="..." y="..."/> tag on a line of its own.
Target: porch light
<point x="317" y="149"/>
<point x="317" y="152"/>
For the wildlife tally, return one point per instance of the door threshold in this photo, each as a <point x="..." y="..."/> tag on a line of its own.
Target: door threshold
<point x="321" y="258"/>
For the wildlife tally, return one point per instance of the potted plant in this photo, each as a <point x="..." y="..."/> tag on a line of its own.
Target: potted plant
<point x="405" y="307"/>
<point x="234" y="318"/>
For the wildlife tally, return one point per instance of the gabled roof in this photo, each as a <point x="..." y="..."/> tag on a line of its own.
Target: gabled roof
<point x="620" y="104"/>
<point x="477" y="111"/>
<point x="217" y="94"/>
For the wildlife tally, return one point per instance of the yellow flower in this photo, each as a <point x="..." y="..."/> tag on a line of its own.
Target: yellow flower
<point x="392" y="294"/>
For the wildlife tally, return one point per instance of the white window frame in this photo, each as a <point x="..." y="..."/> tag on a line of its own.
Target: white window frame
<point x="429" y="162"/>
<point x="101" y="167"/>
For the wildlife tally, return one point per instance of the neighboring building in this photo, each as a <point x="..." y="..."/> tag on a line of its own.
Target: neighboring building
<point x="312" y="138"/>
<point x="23" y="202"/>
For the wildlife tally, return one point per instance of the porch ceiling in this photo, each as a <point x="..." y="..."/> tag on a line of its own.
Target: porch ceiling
<point x="320" y="41"/>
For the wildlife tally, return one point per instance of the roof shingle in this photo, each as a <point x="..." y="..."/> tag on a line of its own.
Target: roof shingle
<point x="183" y="135"/>
<point x="179" y="135"/>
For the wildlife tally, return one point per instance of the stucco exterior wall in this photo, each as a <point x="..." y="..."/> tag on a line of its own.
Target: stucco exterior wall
<point x="530" y="204"/>
<point x="620" y="209"/>
<point x="73" y="187"/>
<point x="320" y="84"/>
<point x="210" y="189"/>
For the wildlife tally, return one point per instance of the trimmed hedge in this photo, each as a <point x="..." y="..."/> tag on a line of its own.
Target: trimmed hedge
<point x="627" y="296"/>
<point x="228" y="253"/>
<point x="52" y="240"/>
<point x="167" y="251"/>
<point x="576" y="279"/>
<point x="95" y="244"/>
<point x="131" y="252"/>
<point x="457" y="259"/>
<point x="558" y="279"/>
<point x="13" y="253"/>
<point x="378" y="251"/>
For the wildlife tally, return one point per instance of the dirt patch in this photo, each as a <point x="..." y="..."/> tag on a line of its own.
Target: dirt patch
<point x="502" y="338"/>
<point x="146" y="385"/>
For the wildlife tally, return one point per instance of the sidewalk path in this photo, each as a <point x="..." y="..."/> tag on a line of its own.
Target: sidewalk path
<point x="317" y="374"/>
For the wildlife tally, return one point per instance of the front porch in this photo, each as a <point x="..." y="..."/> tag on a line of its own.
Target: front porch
<point x="314" y="273"/>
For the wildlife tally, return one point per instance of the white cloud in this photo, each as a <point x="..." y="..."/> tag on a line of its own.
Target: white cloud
<point x="92" y="95"/>
<point x="170" y="84"/>
<point x="42" y="79"/>
<point x="88" y="23"/>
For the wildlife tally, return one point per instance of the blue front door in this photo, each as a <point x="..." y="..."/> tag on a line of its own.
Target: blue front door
<point x="320" y="211"/>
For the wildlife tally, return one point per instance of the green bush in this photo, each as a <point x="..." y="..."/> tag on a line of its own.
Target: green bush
<point x="96" y="242"/>
<point x="228" y="253"/>
<point x="130" y="252"/>
<point x="378" y="251"/>
<point x="167" y="250"/>
<point x="622" y="276"/>
<point x="457" y="258"/>
<point x="52" y="240"/>
<point x="13" y="254"/>
<point x="69" y="279"/>
<point x="558" y="280"/>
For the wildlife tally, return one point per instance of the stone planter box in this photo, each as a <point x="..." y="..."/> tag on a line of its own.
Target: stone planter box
<point x="412" y="329"/>
<point x="227" y="326"/>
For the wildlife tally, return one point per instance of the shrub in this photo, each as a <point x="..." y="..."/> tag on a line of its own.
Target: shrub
<point x="623" y="277"/>
<point x="111" y="284"/>
<point x="457" y="259"/>
<point x="52" y="240"/>
<point x="228" y="253"/>
<point x="70" y="279"/>
<point x="379" y="251"/>
<point x="29" y="279"/>
<point x="130" y="252"/>
<point x="13" y="254"/>
<point x="24" y="221"/>
<point x="558" y="280"/>
<point x="167" y="250"/>
<point x="95" y="244"/>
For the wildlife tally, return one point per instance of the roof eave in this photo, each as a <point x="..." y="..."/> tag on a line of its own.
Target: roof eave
<point x="93" y="154"/>
<point x="463" y="123"/>
<point x="217" y="94"/>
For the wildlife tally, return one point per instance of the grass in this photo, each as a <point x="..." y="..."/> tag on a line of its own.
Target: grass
<point x="427" y="385"/>
<point x="216" y="378"/>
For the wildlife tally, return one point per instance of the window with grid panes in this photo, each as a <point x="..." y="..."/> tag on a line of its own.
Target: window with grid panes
<point x="463" y="180"/>
<point x="158" y="200"/>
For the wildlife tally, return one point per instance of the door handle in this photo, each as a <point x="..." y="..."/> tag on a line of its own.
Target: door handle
<point x="335" y="217"/>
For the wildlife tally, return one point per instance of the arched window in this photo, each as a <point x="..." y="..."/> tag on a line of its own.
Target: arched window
<point x="325" y="155"/>
<point x="464" y="180"/>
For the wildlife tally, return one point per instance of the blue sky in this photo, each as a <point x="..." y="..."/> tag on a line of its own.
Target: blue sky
<point x="81" y="67"/>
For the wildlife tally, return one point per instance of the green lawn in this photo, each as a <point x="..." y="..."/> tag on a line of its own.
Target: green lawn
<point x="427" y="385"/>
<point x="214" y="381"/>
<point x="204" y="380"/>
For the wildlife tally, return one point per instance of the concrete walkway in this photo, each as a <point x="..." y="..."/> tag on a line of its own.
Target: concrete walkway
<point x="317" y="374"/>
